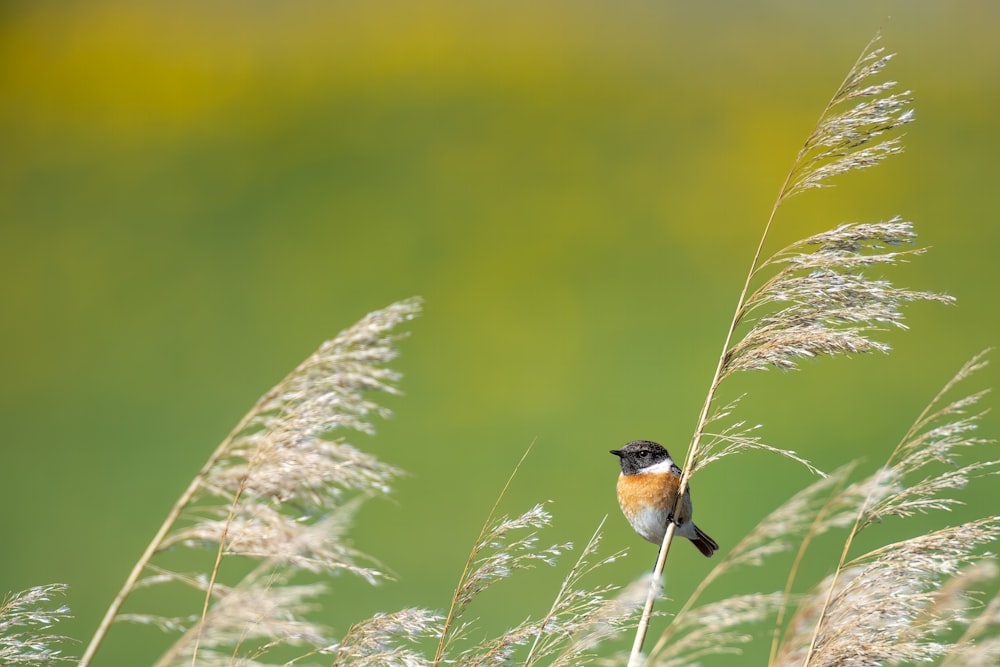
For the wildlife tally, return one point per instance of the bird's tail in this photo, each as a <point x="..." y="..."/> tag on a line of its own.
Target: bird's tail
<point x="705" y="544"/>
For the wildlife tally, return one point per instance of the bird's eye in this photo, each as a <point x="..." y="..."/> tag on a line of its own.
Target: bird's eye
<point x="643" y="453"/>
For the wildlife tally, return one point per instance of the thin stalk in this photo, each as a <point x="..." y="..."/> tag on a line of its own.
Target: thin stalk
<point x="562" y="591"/>
<point x="210" y="588"/>
<point x="215" y="567"/>
<point x="137" y="570"/>
<point x="161" y="534"/>
<point x="833" y="585"/>
<point x="785" y="191"/>
<point x="799" y="556"/>
<point x="168" y="656"/>
<point x="716" y="572"/>
<point x="926" y="416"/>
<point x="194" y="632"/>
<point x="922" y="420"/>
<point x="662" y="641"/>
<point x="453" y="609"/>
<point x="636" y="659"/>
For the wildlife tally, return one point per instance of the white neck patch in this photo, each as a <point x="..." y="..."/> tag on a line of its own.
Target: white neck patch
<point x="663" y="466"/>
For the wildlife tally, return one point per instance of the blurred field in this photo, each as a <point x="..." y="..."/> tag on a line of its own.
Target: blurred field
<point x="193" y="197"/>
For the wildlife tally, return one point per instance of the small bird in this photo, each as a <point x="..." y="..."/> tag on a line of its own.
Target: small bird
<point x="647" y="490"/>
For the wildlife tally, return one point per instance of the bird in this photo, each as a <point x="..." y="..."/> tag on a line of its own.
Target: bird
<point x="647" y="492"/>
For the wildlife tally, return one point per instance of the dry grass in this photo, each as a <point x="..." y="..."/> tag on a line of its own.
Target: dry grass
<point x="814" y="297"/>
<point x="25" y="620"/>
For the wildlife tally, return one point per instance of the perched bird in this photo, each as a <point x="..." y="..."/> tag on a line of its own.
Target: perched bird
<point x="647" y="491"/>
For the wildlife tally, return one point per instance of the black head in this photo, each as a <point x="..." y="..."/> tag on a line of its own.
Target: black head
<point x="640" y="454"/>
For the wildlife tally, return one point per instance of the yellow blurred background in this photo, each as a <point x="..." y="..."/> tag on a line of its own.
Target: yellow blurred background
<point x="194" y="195"/>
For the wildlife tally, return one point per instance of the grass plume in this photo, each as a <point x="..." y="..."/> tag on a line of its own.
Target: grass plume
<point x="280" y="493"/>
<point x="26" y="618"/>
<point x="811" y="298"/>
<point x="900" y="603"/>
<point x="277" y="490"/>
<point x="579" y="619"/>
<point x="911" y="569"/>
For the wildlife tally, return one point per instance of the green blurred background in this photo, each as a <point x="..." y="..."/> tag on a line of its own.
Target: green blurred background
<point x="194" y="195"/>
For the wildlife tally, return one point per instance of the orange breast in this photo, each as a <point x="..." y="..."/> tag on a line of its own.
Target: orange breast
<point x="636" y="492"/>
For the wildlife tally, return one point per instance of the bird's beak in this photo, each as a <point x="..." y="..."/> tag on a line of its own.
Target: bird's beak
<point x="617" y="452"/>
